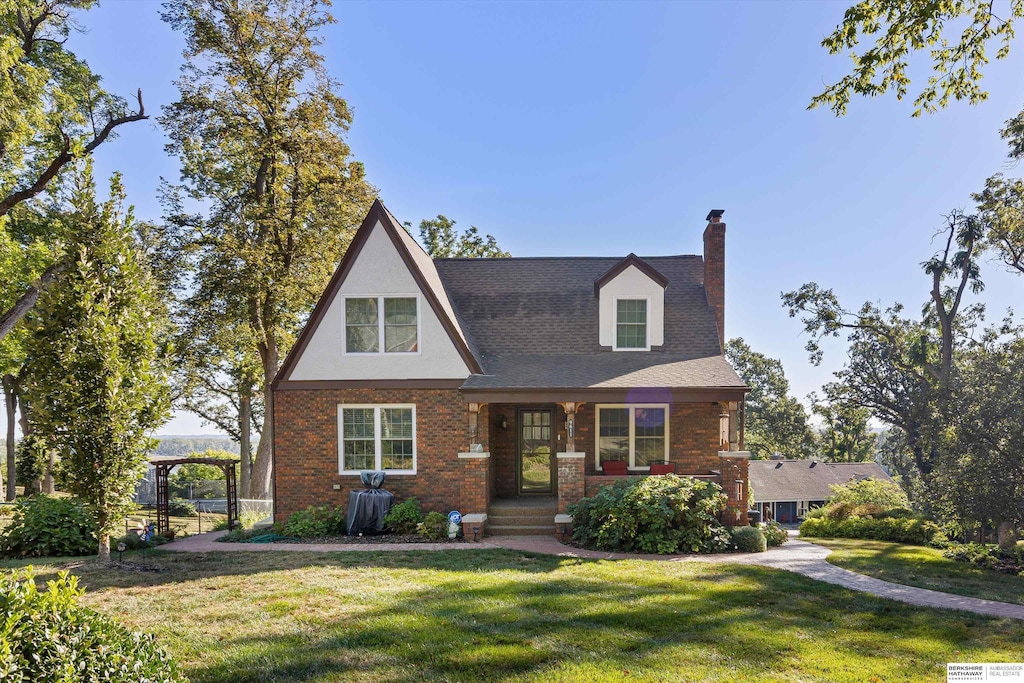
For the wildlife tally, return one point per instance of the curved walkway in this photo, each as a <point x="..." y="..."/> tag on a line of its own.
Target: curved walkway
<point x="796" y="556"/>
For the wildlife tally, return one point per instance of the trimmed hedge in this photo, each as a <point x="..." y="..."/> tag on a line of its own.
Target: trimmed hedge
<point x="896" y="530"/>
<point x="48" y="636"/>
<point x="749" y="539"/>
<point x="663" y="514"/>
<point x="48" y="526"/>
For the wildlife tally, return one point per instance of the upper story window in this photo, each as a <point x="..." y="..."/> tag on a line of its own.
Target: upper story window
<point x="631" y="324"/>
<point x="382" y="324"/>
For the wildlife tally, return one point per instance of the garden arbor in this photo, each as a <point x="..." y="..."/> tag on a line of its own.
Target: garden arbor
<point x="163" y="470"/>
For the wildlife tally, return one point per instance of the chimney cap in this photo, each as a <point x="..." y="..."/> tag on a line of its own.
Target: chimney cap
<point x="715" y="215"/>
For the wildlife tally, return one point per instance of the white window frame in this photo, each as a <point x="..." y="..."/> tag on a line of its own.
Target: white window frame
<point x="615" y="324"/>
<point x="378" y="451"/>
<point x="380" y="325"/>
<point x="632" y="432"/>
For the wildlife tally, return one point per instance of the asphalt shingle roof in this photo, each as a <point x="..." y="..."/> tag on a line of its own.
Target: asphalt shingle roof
<point x="533" y="322"/>
<point x="790" y="480"/>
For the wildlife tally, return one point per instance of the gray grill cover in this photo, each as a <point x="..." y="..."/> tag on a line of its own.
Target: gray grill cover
<point x="367" y="508"/>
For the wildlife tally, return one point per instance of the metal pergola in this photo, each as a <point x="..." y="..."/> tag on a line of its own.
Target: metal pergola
<point x="163" y="470"/>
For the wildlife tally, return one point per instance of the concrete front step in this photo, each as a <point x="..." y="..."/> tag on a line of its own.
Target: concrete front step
<point x="505" y="519"/>
<point x="520" y="530"/>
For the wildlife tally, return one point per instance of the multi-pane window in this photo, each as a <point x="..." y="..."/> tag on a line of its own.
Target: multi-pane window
<point x="377" y="438"/>
<point x="365" y="327"/>
<point x="631" y="324"/>
<point x="636" y="434"/>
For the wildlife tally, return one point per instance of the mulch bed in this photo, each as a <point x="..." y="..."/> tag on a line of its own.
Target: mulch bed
<point x="368" y="540"/>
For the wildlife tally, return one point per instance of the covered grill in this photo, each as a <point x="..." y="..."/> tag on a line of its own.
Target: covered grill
<point x="367" y="508"/>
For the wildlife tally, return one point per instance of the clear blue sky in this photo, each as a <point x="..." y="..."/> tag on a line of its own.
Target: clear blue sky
<point x="601" y="129"/>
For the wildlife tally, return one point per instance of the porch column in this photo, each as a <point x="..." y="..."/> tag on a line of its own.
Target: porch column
<point x="735" y="480"/>
<point x="475" y="484"/>
<point x="570" y="479"/>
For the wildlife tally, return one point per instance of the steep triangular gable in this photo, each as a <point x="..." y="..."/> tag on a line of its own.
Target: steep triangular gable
<point x="429" y="284"/>
<point x="631" y="260"/>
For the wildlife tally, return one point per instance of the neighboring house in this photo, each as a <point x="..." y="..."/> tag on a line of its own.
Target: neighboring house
<point x="784" y="490"/>
<point x="470" y="381"/>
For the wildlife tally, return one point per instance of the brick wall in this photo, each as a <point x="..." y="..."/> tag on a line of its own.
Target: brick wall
<point x="714" y="273"/>
<point x="570" y="481"/>
<point x="306" y="448"/>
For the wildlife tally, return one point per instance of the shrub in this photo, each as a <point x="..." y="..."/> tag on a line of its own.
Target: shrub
<point x="748" y="539"/>
<point x="405" y="517"/>
<point x="434" y="527"/>
<point x="815" y="513"/>
<point x="6" y="509"/>
<point x="663" y="514"/>
<point x="896" y="513"/>
<point x="47" y="526"/>
<point x="179" y="507"/>
<point x="989" y="557"/>
<point x="316" y="521"/>
<point x="913" y="531"/>
<point x="48" y="636"/>
<point x="886" y="495"/>
<point x="774" y="534"/>
<point x="239" y="535"/>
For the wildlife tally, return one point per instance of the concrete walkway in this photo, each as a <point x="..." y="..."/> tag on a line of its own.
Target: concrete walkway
<point x="796" y="556"/>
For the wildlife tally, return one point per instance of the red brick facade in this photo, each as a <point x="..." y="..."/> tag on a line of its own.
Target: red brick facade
<point x="306" y="450"/>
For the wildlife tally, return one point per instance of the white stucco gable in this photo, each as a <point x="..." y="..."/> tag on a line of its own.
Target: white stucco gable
<point x="378" y="269"/>
<point x="632" y="283"/>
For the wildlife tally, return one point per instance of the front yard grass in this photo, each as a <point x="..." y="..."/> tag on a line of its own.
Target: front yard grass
<point x="923" y="567"/>
<point x="496" y="615"/>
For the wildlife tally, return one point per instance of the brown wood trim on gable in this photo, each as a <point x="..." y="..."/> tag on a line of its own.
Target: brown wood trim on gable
<point x="449" y="325"/>
<point x="606" y="394"/>
<point x="376" y="213"/>
<point x="317" y="384"/>
<point x="631" y="260"/>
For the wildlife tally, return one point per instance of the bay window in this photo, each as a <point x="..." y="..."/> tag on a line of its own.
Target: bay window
<point x="377" y="437"/>
<point x="637" y="434"/>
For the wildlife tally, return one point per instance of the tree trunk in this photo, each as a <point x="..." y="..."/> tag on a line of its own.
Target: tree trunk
<point x="262" y="472"/>
<point x="46" y="484"/>
<point x="244" y="442"/>
<point x="104" y="547"/>
<point x="1007" y="536"/>
<point x="11" y="400"/>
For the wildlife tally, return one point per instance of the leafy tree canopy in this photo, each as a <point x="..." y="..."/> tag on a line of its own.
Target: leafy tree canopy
<point x="775" y="421"/>
<point x="440" y="239"/>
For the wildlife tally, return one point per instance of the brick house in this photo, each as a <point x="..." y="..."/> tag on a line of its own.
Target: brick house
<point x="503" y="388"/>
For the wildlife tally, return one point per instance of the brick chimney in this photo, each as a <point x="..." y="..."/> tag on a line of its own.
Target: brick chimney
<point x="714" y="269"/>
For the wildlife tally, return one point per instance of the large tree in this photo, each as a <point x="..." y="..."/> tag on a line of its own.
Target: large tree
<point x="899" y="368"/>
<point x="775" y="421"/>
<point x="97" y="379"/>
<point x="440" y="239"/>
<point x="259" y="129"/>
<point x="53" y="111"/>
<point x="845" y="434"/>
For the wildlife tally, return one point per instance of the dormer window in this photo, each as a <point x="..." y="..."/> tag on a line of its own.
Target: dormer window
<point x="398" y="327"/>
<point x="631" y="324"/>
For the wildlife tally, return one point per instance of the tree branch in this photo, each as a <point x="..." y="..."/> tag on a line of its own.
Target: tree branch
<point x="65" y="157"/>
<point x="22" y="306"/>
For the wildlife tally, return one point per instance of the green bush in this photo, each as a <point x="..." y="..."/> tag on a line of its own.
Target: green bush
<point x="179" y="507"/>
<point x="912" y="531"/>
<point x="988" y="556"/>
<point x="774" y="533"/>
<point x="239" y="535"/>
<point x="316" y="521"/>
<point x="48" y="636"/>
<point x="897" y="513"/>
<point x="434" y="527"/>
<point x="663" y="514"/>
<point x="48" y="526"/>
<point x="887" y="495"/>
<point x="749" y="539"/>
<point x="405" y="517"/>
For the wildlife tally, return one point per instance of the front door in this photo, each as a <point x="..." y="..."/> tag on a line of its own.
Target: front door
<point x="536" y="452"/>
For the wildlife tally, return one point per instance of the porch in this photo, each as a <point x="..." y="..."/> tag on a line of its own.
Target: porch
<point x="529" y="461"/>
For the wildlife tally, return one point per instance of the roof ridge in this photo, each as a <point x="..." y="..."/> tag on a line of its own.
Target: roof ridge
<point x="553" y="258"/>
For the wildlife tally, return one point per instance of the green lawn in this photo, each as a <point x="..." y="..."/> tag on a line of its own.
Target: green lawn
<point x="913" y="565"/>
<point x="508" y="616"/>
